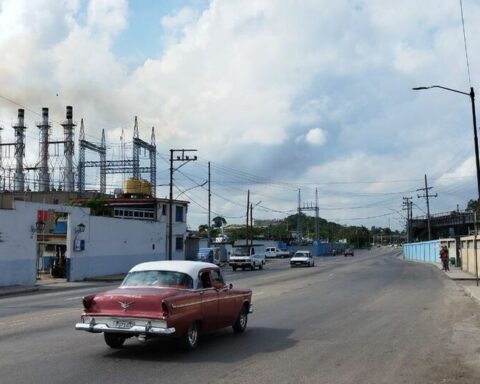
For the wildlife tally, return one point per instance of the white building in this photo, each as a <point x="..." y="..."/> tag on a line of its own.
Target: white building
<point x="34" y="234"/>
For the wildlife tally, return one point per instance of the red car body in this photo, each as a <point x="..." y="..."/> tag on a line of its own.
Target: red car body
<point x="180" y="299"/>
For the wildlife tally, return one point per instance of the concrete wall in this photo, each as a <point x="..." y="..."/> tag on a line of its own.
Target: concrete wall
<point x="467" y="254"/>
<point x="113" y="245"/>
<point x="17" y="248"/>
<point x="426" y="251"/>
<point x="429" y="251"/>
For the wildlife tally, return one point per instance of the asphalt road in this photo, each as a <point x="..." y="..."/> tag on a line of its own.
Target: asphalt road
<point x="373" y="318"/>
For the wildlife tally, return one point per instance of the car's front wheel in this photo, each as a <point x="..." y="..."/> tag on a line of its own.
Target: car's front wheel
<point x="241" y="322"/>
<point x="114" y="340"/>
<point x="190" y="339"/>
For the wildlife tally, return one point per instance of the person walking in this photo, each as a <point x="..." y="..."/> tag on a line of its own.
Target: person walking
<point x="444" y="258"/>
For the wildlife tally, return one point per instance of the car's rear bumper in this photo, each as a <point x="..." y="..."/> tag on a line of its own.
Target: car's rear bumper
<point x="140" y="327"/>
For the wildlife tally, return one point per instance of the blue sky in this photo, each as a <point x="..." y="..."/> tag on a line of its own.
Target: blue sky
<point x="278" y="95"/>
<point x="143" y="36"/>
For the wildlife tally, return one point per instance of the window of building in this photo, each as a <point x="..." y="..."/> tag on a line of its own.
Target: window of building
<point x="179" y="243"/>
<point x="179" y="213"/>
<point x="164" y="209"/>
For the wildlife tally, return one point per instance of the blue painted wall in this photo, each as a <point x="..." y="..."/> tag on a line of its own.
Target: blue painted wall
<point x="426" y="251"/>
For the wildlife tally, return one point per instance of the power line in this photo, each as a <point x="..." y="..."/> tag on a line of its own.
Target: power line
<point x="465" y="43"/>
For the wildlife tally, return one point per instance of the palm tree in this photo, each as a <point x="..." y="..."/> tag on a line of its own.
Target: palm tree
<point x="219" y="222"/>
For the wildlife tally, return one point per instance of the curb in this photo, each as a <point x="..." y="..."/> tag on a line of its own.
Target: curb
<point x="17" y="290"/>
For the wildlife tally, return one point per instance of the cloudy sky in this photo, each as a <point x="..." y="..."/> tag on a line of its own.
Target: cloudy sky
<point x="278" y="95"/>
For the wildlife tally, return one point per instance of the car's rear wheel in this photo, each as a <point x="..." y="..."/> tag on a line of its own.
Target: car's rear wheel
<point x="260" y="266"/>
<point x="234" y="267"/>
<point x="241" y="322"/>
<point x="114" y="340"/>
<point x="190" y="339"/>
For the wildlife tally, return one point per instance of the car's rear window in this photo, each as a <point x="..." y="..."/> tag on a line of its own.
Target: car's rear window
<point x="158" y="279"/>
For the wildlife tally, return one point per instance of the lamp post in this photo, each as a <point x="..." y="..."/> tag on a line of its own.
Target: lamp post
<point x="472" y="99"/>
<point x="475" y="138"/>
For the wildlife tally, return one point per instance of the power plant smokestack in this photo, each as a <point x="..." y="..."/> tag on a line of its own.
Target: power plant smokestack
<point x="44" y="175"/>
<point x="68" y="150"/>
<point x="19" y="181"/>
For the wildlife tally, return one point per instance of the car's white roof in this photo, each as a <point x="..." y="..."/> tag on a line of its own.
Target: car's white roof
<point x="302" y="252"/>
<point x="188" y="267"/>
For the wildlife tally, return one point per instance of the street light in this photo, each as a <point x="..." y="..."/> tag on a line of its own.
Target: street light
<point x="477" y="163"/>
<point x="251" y="221"/>
<point x="472" y="99"/>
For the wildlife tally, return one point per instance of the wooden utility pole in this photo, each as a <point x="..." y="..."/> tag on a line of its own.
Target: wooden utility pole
<point x="427" y="196"/>
<point x="248" y="210"/>
<point x="251" y="224"/>
<point x="209" y="209"/>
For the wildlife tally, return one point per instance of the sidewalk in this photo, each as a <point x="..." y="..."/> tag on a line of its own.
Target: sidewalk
<point x="470" y="288"/>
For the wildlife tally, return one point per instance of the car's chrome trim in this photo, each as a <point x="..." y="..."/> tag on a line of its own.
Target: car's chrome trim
<point x="175" y="306"/>
<point x="99" y="324"/>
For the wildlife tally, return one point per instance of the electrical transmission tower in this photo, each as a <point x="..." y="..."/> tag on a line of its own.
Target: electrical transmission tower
<point x="118" y="166"/>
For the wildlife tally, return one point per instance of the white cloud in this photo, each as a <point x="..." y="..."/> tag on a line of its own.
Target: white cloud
<point x="316" y="136"/>
<point x="246" y="81"/>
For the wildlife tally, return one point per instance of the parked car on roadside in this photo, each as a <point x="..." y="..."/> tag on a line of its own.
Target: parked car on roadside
<point x="276" y="252"/>
<point x="348" y="252"/>
<point x="302" y="258"/>
<point x="177" y="299"/>
<point x="209" y="255"/>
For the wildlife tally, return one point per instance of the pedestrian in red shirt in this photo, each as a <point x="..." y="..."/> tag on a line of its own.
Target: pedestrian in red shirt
<point x="444" y="258"/>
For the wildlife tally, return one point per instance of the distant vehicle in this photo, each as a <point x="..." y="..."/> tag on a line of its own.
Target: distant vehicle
<point x="209" y="255"/>
<point x="246" y="256"/>
<point x="221" y="239"/>
<point x="348" y="252"/>
<point x="275" y="252"/>
<point x="300" y="258"/>
<point x="174" y="299"/>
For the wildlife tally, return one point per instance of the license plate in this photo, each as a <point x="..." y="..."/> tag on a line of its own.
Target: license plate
<point x="123" y="324"/>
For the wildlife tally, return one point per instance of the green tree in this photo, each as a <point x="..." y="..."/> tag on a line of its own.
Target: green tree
<point x="203" y="230"/>
<point x="98" y="206"/>
<point x="472" y="205"/>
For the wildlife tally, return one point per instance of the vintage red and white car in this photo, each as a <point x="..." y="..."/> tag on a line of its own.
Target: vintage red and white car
<point x="179" y="299"/>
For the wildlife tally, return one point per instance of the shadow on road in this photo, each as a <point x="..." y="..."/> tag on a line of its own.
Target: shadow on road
<point x="222" y="347"/>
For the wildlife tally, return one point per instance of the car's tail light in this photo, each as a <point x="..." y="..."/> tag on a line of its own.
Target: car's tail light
<point x="87" y="302"/>
<point x="165" y="308"/>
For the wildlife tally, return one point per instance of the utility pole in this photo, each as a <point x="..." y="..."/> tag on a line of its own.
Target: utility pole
<point x="184" y="159"/>
<point x="407" y="206"/>
<point x="427" y="196"/>
<point x="248" y="210"/>
<point x="317" y="232"/>
<point x="209" y="208"/>
<point x="251" y="225"/>
<point x="299" y="220"/>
